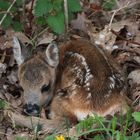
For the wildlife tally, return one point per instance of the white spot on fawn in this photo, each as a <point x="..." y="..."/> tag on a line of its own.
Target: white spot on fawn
<point x="88" y="75"/>
<point x="89" y="96"/>
<point x="88" y="89"/>
<point x="112" y="84"/>
<point x="88" y="84"/>
<point x="81" y="115"/>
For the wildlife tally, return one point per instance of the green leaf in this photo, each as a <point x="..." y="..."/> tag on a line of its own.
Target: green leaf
<point x="114" y="123"/>
<point x="41" y="21"/>
<point x="98" y="137"/>
<point x="58" y="5"/>
<point x="7" y="21"/>
<point x="3" y="104"/>
<point x="51" y="137"/>
<point x="136" y="116"/>
<point x="134" y="136"/>
<point x="17" y="26"/>
<point x="118" y="135"/>
<point x="74" y="5"/>
<point x="21" y="138"/>
<point x="4" y="5"/>
<point x="19" y="2"/>
<point x="108" y="5"/>
<point x="56" y="23"/>
<point x="42" y="7"/>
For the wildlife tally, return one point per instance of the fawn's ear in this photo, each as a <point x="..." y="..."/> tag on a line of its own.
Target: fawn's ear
<point x="17" y="51"/>
<point x="52" y="54"/>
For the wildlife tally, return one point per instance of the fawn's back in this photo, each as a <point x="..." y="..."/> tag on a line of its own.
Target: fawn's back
<point x="86" y="84"/>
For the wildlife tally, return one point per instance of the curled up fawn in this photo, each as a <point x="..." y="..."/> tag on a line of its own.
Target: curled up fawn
<point x="75" y="78"/>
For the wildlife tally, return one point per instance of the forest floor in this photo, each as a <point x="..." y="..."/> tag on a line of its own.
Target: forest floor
<point x="117" y="32"/>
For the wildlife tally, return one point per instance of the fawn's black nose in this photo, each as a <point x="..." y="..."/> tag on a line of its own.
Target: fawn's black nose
<point x="31" y="109"/>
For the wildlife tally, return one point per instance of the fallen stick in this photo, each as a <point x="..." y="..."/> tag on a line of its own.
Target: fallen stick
<point x="46" y="125"/>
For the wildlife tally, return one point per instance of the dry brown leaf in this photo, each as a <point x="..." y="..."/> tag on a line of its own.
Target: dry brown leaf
<point x="80" y="23"/>
<point x="24" y="136"/>
<point x="134" y="76"/>
<point x="134" y="83"/>
<point x="2" y="42"/>
<point x="6" y="41"/>
<point x="9" y="134"/>
<point x="2" y="68"/>
<point x="107" y="39"/>
<point x="2" y="97"/>
<point x="22" y="37"/>
<point x="2" y="131"/>
<point x="13" y="77"/>
<point x="16" y="102"/>
<point x="11" y="61"/>
<point x="45" y="38"/>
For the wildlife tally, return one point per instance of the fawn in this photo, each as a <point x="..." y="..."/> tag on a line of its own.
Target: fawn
<point x="75" y="77"/>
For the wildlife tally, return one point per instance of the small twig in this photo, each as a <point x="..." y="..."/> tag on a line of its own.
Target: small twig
<point x="118" y="3"/>
<point x="2" y="12"/>
<point x="35" y="37"/>
<point x="23" y="13"/>
<point x="5" y="55"/>
<point x="32" y="4"/>
<point x="43" y="31"/>
<point x="30" y="14"/>
<point x="66" y="15"/>
<point x="47" y="126"/>
<point x="136" y="51"/>
<point x="128" y="41"/>
<point x="136" y="100"/>
<point x="117" y="10"/>
<point x="7" y="12"/>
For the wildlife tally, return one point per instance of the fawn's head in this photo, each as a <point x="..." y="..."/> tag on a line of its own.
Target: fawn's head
<point x="36" y="75"/>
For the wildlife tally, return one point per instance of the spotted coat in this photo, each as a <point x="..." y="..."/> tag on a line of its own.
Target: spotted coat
<point x="86" y="84"/>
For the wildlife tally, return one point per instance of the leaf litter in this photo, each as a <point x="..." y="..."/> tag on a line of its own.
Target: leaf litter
<point x="120" y="41"/>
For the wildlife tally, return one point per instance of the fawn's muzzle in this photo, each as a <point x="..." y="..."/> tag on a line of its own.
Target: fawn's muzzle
<point x="31" y="109"/>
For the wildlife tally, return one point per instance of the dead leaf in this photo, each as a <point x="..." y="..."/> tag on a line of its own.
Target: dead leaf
<point x="13" y="77"/>
<point x="134" y="76"/>
<point x="46" y="38"/>
<point x="9" y="134"/>
<point x="107" y="39"/>
<point x="2" y="68"/>
<point x="134" y="87"/>
<point x="2" y="132"/>
<point x="80" y="23"/>
<point x="22" y="37"/>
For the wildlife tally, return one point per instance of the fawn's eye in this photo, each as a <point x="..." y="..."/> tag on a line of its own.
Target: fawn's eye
<point x="45" y="88"/>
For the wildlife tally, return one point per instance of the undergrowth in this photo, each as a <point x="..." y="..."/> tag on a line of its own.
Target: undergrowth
<point x="98" y="128"/>
<point x="122" y="127"/>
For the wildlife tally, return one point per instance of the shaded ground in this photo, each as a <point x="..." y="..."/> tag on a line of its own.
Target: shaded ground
<point x="118" y="37"/>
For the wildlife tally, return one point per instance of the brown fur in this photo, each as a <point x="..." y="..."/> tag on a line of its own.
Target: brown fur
<point x="33" y="74"/>
<point x="85" y="83"/>
<point x="69" y="100"/>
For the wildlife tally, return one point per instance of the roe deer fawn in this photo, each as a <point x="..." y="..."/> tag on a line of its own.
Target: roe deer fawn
<point x="76" y="77"/>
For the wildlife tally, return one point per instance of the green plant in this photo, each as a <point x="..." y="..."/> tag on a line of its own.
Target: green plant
<point x="46" y="12"/>
<point x="98" y="128"/>
<point x="51" y="12"/>
<point x="108" y="4"/>
<point x="21" y="138"/>
<point x="3" y="104"/>
<point x="136" y="116"/>
<point x="10" y="19"/>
